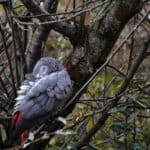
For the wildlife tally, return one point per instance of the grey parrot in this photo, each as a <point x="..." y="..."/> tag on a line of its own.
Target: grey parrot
<point x="41" y="94"/>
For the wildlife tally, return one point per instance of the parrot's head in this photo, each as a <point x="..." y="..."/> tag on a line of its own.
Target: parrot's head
<point x="46" y="66"/>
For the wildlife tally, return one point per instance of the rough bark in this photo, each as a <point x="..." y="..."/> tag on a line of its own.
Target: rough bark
<point x="85" y="140"/>
<point x="91" y="44"/>
<point x="34" y="49"/>
<point x="95" y="43"/>
<point x="100" y="38"/>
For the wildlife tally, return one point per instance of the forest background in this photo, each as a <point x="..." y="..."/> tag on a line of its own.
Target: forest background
<point x="104" y="44"/>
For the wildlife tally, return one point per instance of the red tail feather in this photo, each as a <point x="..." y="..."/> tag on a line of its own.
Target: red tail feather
<point x="16" y="118"/>
<point x="23" y="136"/>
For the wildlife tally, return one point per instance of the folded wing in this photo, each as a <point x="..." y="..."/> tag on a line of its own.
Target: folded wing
<point x="45" y="96"/>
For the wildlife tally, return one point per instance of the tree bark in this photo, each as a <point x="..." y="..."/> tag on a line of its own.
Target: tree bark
<point x="92" y="45"/>
<point x="98" y="40"/>
<point x="34" y="48"/>
<point x="95" y="44"/>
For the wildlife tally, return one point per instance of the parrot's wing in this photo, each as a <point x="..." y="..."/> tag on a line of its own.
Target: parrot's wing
<point x="46" y="95"/>
<point x="26" y="86"/>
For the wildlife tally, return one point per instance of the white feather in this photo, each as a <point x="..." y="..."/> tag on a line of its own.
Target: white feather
<point x="31" y="82"/>
<point x="38" y="75"/>
<point x="20" y="97"/>
<point x="19" y="92"/>
<point x="31" y="136"/>
<point x="24" y="87"/>
<point x="18" y="103"/>
<point x="63" y="120"/>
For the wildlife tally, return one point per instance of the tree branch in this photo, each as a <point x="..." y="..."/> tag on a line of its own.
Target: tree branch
<point x="67" y="29"/>
<point x="92" y="51"/>
<point x="34" y="51"/>
<point x="85" y="140"/>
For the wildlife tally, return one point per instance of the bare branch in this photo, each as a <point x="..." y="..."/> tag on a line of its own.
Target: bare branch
<point x="106" y="63"/>
<point x="85" y="140"/>
<point x="34" y="51"/>
<point x="65" y="28"/>
<point x="9" y="61"/>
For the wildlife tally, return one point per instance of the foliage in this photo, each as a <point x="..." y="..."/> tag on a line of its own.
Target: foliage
<point x="127" y="121"/>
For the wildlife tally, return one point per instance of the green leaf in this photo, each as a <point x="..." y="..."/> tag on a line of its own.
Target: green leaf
<point x="52" y="141"/>
<point x="120" y="127"/>
<point x="136" y="146"/>
<point x="89" y="124"/>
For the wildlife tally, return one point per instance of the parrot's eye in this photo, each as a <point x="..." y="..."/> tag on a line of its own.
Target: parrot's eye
<point x="44" y="70"/>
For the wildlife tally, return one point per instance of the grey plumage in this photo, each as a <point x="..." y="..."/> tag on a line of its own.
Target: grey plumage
<point x="43" y="92"/>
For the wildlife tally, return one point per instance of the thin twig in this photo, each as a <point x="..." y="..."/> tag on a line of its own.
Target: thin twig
<point x="14" y="43"/>
<point x="106" y="62"/>
<point x="123" y="87"/>
<point x="4" y="87"/>
<point x="9" y="61"/>
<point x="56" y="19"/>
